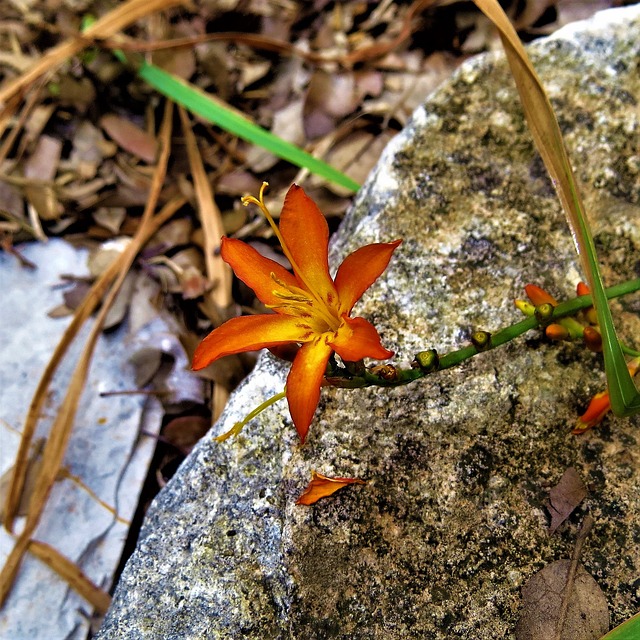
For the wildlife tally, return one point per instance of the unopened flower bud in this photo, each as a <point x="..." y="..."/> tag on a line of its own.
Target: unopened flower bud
<point x="481" y="340"/>
<point x="556" y="332"/>
<point x="592" y="339"/>
<point x="427" y="361"/>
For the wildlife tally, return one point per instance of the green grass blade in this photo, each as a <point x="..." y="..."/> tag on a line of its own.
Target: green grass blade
<point x="625" y="398"/>
<point x="628" y="630"/>
<point x="215" y="111"/>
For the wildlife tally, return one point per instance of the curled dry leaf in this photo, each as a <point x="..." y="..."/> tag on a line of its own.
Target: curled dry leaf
<point x="565" y="497"/>
<point x="323" y="486"/>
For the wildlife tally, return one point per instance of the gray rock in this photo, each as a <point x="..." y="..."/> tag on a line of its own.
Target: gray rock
<point x="459" y="465"/>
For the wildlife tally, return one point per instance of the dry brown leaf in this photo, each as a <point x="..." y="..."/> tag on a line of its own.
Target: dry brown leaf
<point x="173" y="234"/>
<point x="356" y="155"/>
<point x="130" y="137"/>
<point x="106" y="254"/>
<point x="587" y="616"/>
<point x="74" y="296"/>
<point x="179" y="62"/>
<point x="121" y="303"/>
<point x="146" y="362"/>
<point x="185" y="431"/>
<point x="75" y="92"/>
<point x="565" y="497"/>
<point x="323" y="486"/>
<point x="288" y="125"/>
<point x="89" y="150"/>
<point x="42" y="167"/>
<point x="110" y="218"/>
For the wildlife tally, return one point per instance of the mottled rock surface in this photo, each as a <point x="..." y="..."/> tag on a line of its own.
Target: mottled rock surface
<point x="451" y="522"/>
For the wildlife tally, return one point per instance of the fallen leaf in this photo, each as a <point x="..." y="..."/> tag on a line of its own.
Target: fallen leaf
<point x="41" y="167"/>
<point x="146" y="362"/>
<point x="74" y="296"/>
<point x="587" y="616"/>
<point x="130" y="137"/>
<point x="102" y="258"/>
<point x="110" y="218"/>
<point x="184" y="432"/>
<point x="565" y="497"/>
<point x="323" y="486"/>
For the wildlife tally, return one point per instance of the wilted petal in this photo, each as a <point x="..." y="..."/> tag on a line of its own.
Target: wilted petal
<point x="255" y="270"/>
<point x="598" y="408"/>
<point x="249" y="333"/>
<point x="357" y="338"/>
<point x="360" y="270"/>
<point x="303" y="383"/>
<point x="306" y="234"/>
<point x="323" y="486"/>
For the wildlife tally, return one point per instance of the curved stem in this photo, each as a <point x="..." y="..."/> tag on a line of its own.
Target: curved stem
<point x="342" y="378"/>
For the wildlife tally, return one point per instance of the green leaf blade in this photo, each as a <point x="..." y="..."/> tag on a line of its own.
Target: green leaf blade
<point x="214" y="111"/>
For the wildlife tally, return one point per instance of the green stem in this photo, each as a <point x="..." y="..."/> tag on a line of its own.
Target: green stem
<point x="341" y="378"/>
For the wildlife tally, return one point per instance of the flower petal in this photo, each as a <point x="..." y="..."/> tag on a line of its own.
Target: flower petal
<point x="357" y="338"/>
<point x="249" y="333"/>
<point x="323" y="486"/>
<point x="303" y="383"/>
<point x="598" y="408"/>
<point x="360" y="270"/>
<point x="306" y="234"/>
<point x="255" y="270"/>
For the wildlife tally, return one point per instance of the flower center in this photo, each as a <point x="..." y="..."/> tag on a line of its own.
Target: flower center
<point x="320" y="317"/>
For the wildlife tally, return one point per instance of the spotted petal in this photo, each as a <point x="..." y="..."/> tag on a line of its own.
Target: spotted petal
<point x="306" y="234"/>
<point x="360" y="270"/>
<point x="303" y="383"/>
<point x="255" y="270"/>
<point x="249" y="333"/>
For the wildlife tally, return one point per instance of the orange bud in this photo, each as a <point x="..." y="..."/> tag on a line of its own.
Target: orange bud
<point x="582" y="289"/>
<point x="592" y="339"/>
<point x="539" y="296"/>
<point x="556" y="332"/>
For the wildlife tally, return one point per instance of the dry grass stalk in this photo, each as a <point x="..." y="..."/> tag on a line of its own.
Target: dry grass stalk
<point x="61" y="429"/>
<point x="97" y="597"/>
<point x="117" y="19"/>
<point x="218" y="271"/>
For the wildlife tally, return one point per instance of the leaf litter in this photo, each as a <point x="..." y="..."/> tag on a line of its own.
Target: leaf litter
<point x="79" y="145"/>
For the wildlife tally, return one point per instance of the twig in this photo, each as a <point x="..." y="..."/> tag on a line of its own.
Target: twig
<point x="587" y="525"/>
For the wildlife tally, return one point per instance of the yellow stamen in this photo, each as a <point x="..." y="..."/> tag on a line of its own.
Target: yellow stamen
<point x="247" y="200"/>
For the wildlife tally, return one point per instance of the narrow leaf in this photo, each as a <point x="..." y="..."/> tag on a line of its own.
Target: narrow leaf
<point x="628" y="630"/>
<point x="217" y="112"/>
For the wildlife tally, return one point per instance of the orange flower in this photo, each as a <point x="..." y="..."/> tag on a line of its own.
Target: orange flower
<point x="310" y="307"/>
